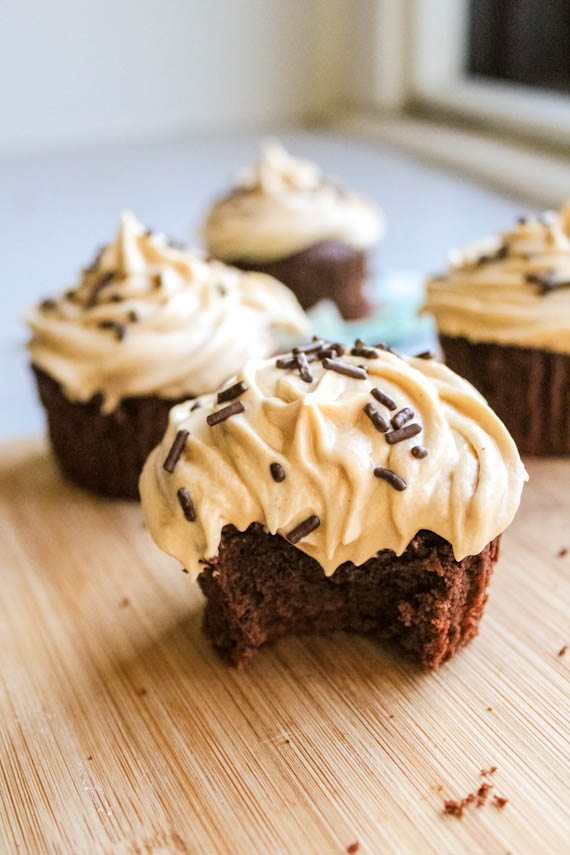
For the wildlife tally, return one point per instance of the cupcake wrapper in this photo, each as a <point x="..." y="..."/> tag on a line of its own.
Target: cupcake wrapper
<point x="325" y="270"/>
<point x="103" y="452"/>
<point x="528" y="388"/>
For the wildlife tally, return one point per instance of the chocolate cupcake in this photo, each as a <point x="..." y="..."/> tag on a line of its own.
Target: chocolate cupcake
<point x="283" y="218"/>
<point x="149" y="325"/>
<point x="503" y="315"/>
<point x="328" y="490"/>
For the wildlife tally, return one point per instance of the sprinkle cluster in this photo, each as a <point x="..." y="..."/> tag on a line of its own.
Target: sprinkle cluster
<point x="395" y="425"/>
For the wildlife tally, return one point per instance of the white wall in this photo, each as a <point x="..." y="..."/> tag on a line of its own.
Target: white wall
<point x="104" y="70"/>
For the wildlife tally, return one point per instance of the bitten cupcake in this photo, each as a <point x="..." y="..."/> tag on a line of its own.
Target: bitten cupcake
<point x="148" y="325"/>
<point x="503" y="314"/>
<point x="328" y="490"/>
<point x="285" y="219"/>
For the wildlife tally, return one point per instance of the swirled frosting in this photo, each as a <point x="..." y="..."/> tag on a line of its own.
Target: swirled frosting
<point x="512" y="290"/>
<point x="283" y="205"/>
<point x="150" y="318"/>
<point x="466" y="489"/>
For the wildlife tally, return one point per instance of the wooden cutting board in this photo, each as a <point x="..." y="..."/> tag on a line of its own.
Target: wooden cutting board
<point x="121" y="732"/>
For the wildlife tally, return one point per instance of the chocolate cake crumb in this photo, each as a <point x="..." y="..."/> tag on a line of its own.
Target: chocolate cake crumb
<point x="425" y="354"/>
<point x="353" y="847"/>
<point x="489" y="709"/>
<point x="124" y="603"/>
<point x="133" y="316"/>
<point x="563" y="650"/>
<point x="490" y="771"/>
<point x="141" y="692"/>
<point x="500" y="801"/>
<point x="47" y="304"/>
<point x="195" y="406"/>
<point x="562" y="552"/>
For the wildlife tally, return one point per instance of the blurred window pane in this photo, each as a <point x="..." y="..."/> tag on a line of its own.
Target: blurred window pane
<point x="522" y="41"/>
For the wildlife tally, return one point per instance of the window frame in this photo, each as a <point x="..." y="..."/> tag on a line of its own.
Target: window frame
<point x="437" y="83"/>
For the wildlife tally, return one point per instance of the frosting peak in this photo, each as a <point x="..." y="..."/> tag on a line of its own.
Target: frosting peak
<point x="151" y="318"/>
<point x="513" y="289"/>
<point x="325" y="448"/>
<point x="283" y="205"/>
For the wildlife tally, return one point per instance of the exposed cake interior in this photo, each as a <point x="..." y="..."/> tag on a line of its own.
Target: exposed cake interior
<point x="261" y="587"/>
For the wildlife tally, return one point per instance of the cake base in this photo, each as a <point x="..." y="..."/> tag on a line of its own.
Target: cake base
<point x="103" y="452"/>
<point x="328" y="269"/>
<point x="528" y="388"/>
<point x="261" y="587"/>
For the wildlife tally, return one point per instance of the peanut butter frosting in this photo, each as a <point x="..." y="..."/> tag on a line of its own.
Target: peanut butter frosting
<point x="344" y="454"/>
<point x="511" y="290"/>
<point x="151" y="318"/>
<point x="282" y="206"/>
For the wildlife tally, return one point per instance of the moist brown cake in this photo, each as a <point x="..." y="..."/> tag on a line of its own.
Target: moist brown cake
<point x="261" y="587"/>
<point x="528" y="388"/>
<point x="104" y="452"/>
<point x="328" y="269"/>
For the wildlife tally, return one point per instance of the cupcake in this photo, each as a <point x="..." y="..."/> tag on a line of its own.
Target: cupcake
<point x="283" y="218"/>
<point x="328" y="490"/>
<point x="148" y="325"/>
<point x="503" y="315"/>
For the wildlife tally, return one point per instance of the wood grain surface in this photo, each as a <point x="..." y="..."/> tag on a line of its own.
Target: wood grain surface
<point x="121" y="732"/>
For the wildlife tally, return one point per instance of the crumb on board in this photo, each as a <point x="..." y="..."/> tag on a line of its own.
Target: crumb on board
<point x="456" y="807"/>
<point x="141" y="692"/>
<point x="563" y="650"/>
<point x="124" y="603"/>
<point x="562" y="551"/>
<point x="353" y="847"/>
<point x="489" y="709"/>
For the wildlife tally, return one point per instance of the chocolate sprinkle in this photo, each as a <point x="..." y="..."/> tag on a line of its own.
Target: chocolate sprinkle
<point x="364" y="352"/>
<point x="101" y="283"/>
<point x="286" y="362"/>
<point x="303" y="366"/>
<point x="120" y="329"/>
<point x="402" y="416"/>
<point x="232" y="392"/>
<point x="312" y="347"/>
<point x="343" y="368"/>
<point x="388" y="475"/>
<point x="403" y="433"/>
<point x="303" y="529"/>
<point x="195" y="406"/>
<point x="376" y="418"/>
<point x="547" y="281"/>
<point x="384" y="398"/>
<point x="225" y="413"/>
<point x="176" y="450"/>
<point x="186" y="504"/>
<point x="277" y="472"/>
<point x="419" y="452"/>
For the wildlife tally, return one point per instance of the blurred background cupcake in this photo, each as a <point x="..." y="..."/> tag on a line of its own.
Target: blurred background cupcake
<point x="284" y="218"/>
<point x="503" y="315"/>
<point x="149" y="324"/>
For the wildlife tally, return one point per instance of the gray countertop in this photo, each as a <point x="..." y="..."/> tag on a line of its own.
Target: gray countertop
<point x="57" y="207"/>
